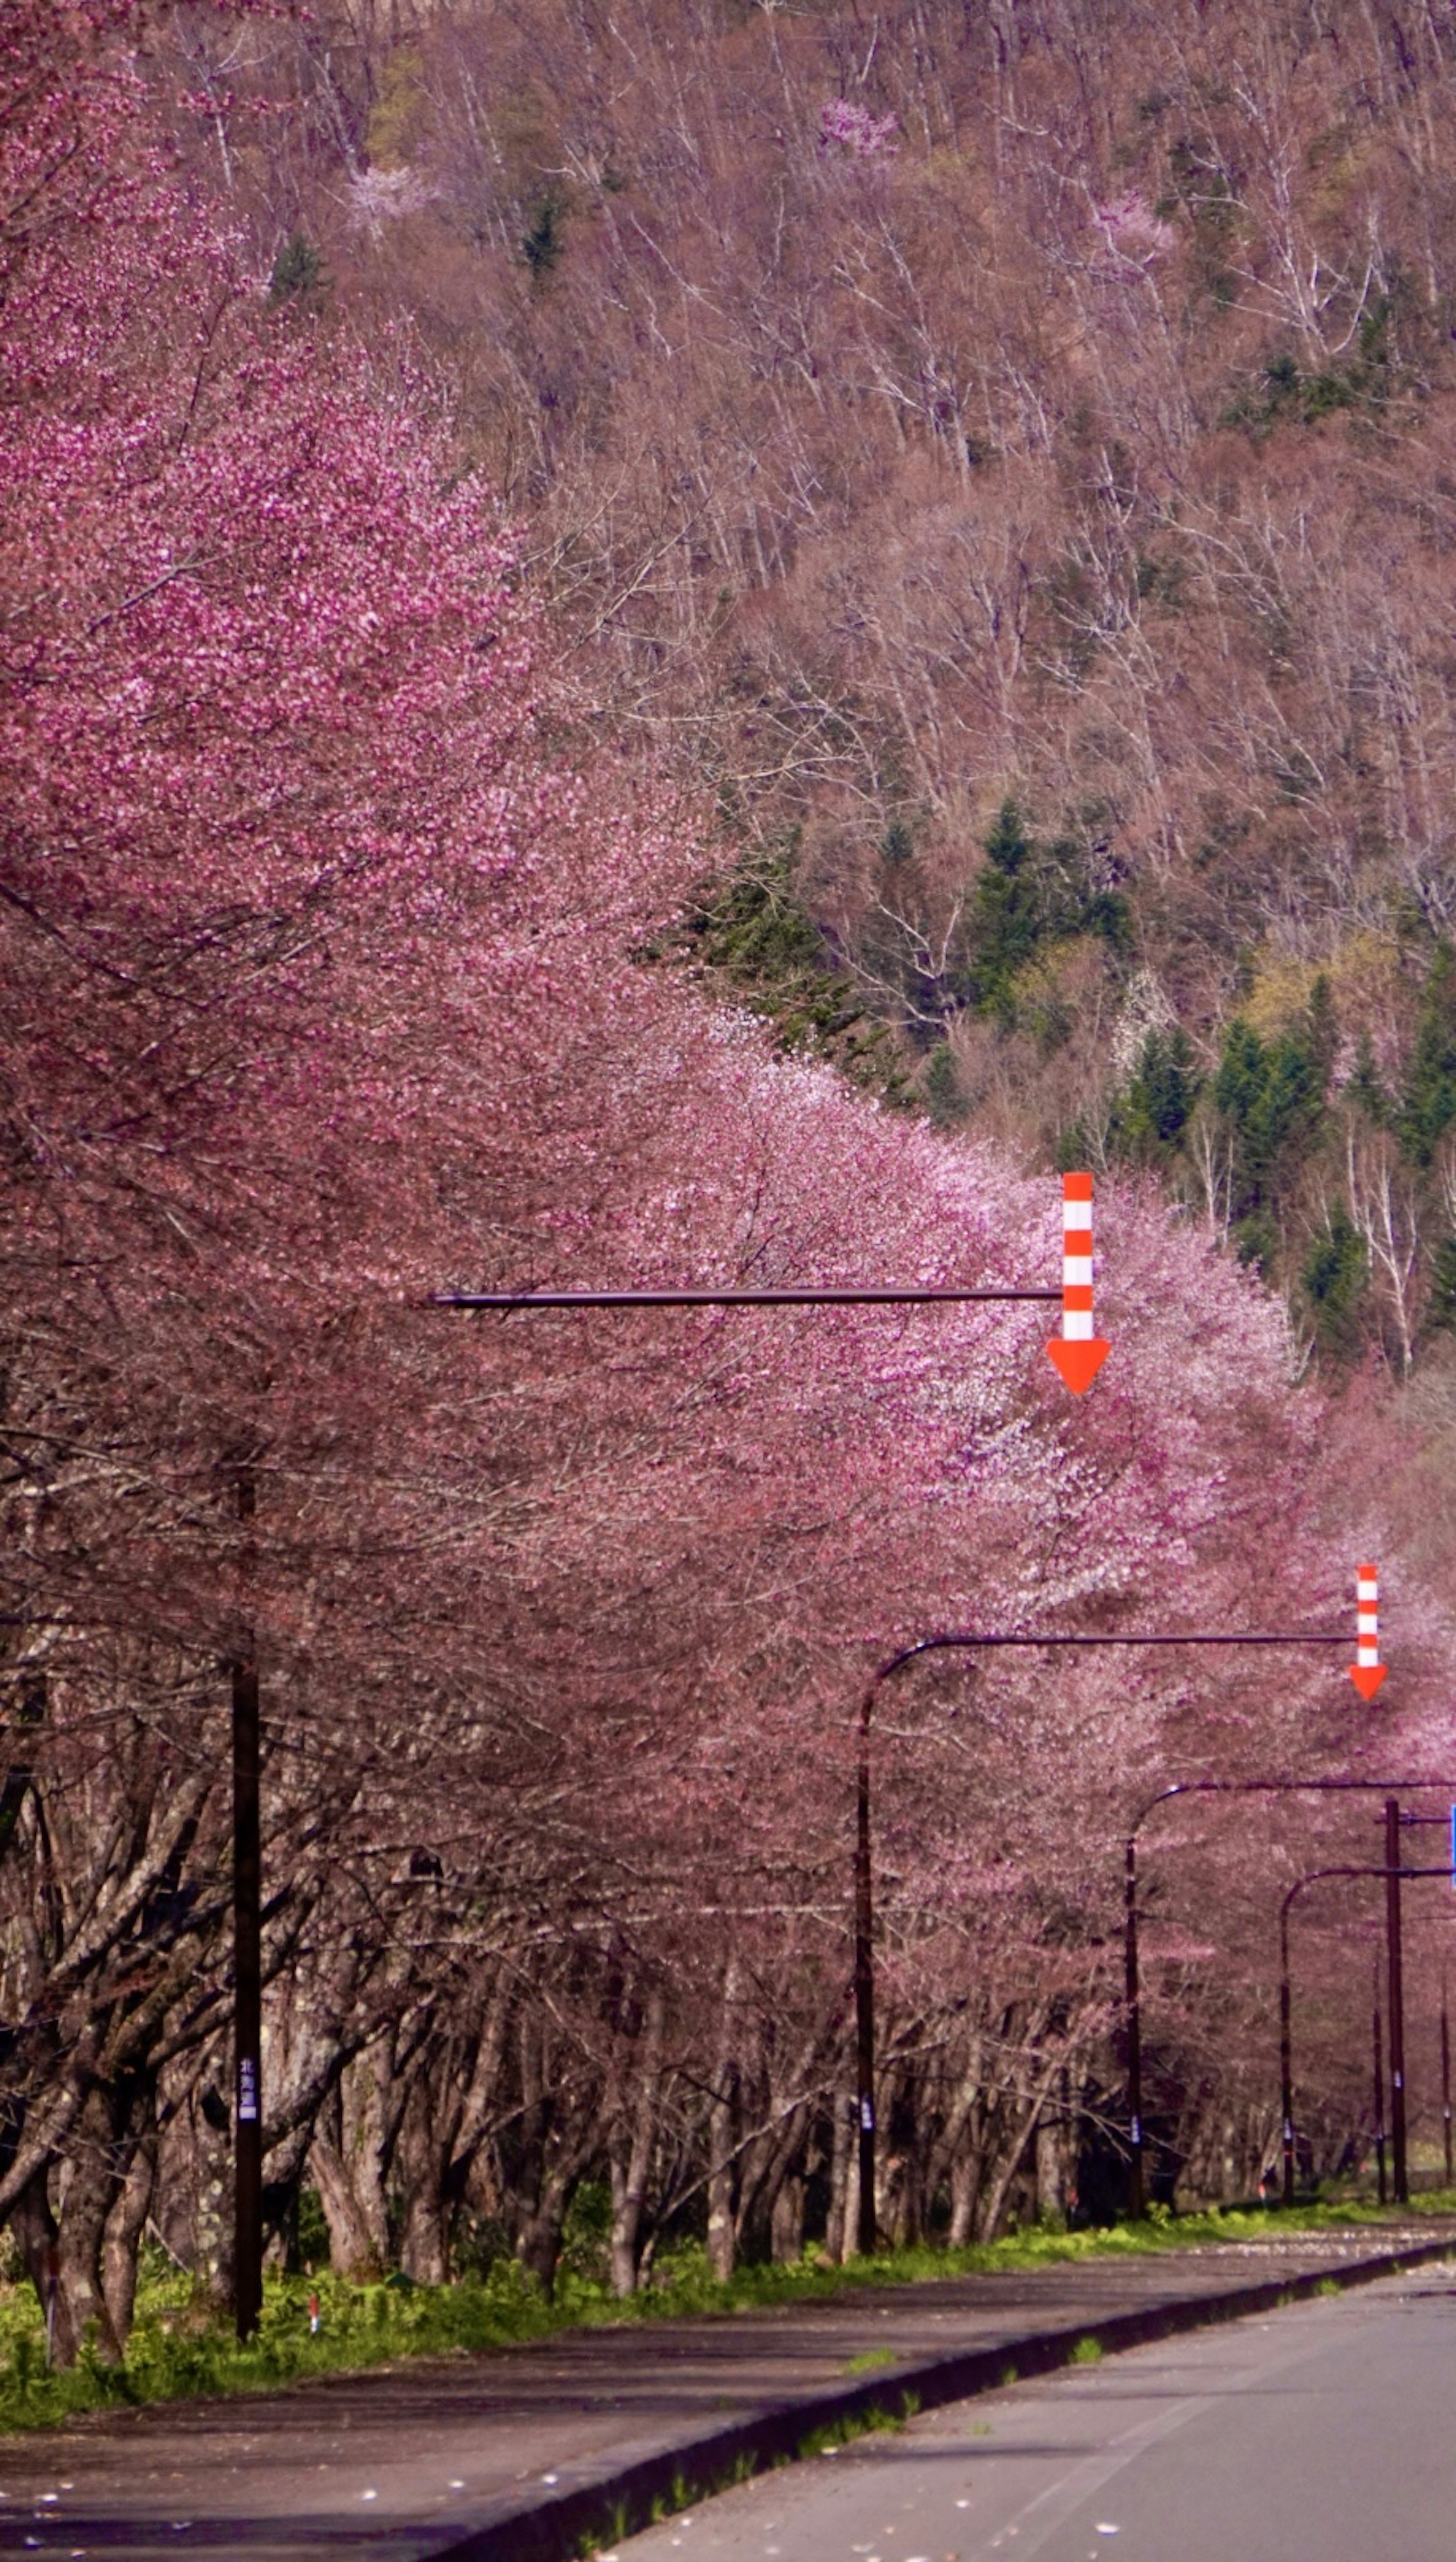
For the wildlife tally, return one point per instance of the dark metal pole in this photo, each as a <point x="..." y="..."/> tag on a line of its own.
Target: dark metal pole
<point x="864" y="1990"/>
<point x="247" y="1978"/>
<point x="1446" y="2079"/>
<point x="1136" y="2193"/>
<point x="1286" y="2059"/>
<point x="1379" y="2095"/>
<point x="1399" y="2173"/>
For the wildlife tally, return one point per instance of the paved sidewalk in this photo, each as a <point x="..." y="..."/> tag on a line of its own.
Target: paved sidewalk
<point x="524" y="2455"/>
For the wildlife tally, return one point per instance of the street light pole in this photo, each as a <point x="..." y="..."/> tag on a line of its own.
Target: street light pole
<point x="1077" y="1356"/>
<point x="1399" y="2174"/>
<point x="1312" y="1877"/>
<point x="1137" y="2198"/>
<point x="1286" y="2074"/>
<point x="976" y="1641"/>
<point x="1206" y="1788"/>
<point x="1416" y="1823"/>
<point x="1379" y="2092"/>
<point x="246" y="1972"/>
<point x="1445" y="2080"/>
<point x="865" y="1989"/>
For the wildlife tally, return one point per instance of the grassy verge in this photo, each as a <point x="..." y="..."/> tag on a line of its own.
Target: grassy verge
<point x="175" y="2353"/>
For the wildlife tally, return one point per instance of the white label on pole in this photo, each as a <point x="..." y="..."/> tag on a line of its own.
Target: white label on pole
<point x="867" y="2115"/>
<point x="247" y="2089"/>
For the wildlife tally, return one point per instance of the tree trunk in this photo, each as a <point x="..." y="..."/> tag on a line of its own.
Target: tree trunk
<point x="958" y="2119"/>
<point x="1050" y="2195"/>
<point x="34" y="2227"/>
<point x="787" y="2220"/>
<point x="352" y="2250"/>
<point x="556" y="2135"/>
<point x="1014" y="2152"/>
<point x="366" y="2131"/>
<point x="839" y="2179"/>
<point x="965" y="2181"/>
<point x="423" y="2152"/>
<point x="90" y="2190"/>
<point x="424" y="2235"/>
<point x="629" y="2163"/>
<point x="722" y="2115"/>
<point x="126" y="2222"/>
<point x="844" y="2179"/>
<point x="212" y="2152"/>
<point x="538" y="2239"/>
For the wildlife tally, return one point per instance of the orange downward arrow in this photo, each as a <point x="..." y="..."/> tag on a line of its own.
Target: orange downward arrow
<point x="1366" y="1678"/>
<point x="1079" y="1364"/>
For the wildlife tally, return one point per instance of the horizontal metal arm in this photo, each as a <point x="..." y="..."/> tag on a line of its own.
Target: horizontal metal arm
<point x="1284" y="1787"/>
<point x="971" y="1641"/>
<point x="912" y="1295"/>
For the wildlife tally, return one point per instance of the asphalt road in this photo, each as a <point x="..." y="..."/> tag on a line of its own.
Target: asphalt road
<point x="1321" y="2434"/>
<point x="524" y="2451"/>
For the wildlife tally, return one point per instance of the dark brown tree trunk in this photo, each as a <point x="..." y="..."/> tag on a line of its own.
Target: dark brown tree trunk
<point x="965" y="2184"/>
<point x="722" y="2113"/>
<point x="34" y="2228"/>
<point x="630" y="2154"/>
<point x="345" y="2161"/>
<point x="352" y="2245"/>
<point x="421" y="2159"/>
<point x="722" y="2216"/>
<point x="787" y="2220"/>
<point x="81" y="2312"/>
<point x="538" y="2239"/>
<point x="211" y="2144"/>
<point x="126" y="2221"/>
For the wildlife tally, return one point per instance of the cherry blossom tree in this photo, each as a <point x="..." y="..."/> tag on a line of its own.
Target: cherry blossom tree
<point x="332" y="923"/>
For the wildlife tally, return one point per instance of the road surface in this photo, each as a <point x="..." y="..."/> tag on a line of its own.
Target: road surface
<point x="1325" y="2433"/>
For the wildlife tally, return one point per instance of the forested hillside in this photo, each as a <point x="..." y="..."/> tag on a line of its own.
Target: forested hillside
<point x="533" y="540"/>
<point x="1007" y="451"/>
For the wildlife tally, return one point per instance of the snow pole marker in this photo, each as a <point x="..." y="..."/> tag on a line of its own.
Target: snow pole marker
<point x="1077" y="1352"/>
<point x="1366" y="1672"/>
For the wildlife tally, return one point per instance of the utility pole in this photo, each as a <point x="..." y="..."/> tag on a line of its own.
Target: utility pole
<point x="1400" y="2182"/>
<point x="1137" y="2190"/>
<point x="867" y="2233"/>
<point x="1445" y="2078"/>
<point x="246" y="1974"/>
<point x="1379" y="2092"/>
<point x="1285" y="2084"/>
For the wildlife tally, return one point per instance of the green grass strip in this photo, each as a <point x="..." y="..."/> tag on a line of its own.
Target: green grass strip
<point x="177" y="2351"/>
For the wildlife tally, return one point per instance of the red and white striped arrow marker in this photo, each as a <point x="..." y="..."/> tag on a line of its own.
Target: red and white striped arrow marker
<point x="1366" y="1672"/>
<point x="1077" y="1352"/>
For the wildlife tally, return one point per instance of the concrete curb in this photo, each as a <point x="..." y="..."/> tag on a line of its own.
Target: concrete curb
<point x="598" y="2505"/>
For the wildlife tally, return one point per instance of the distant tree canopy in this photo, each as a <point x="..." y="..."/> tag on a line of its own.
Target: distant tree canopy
<point x="1014" y="479"/>
<point x="358" y="709"/>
